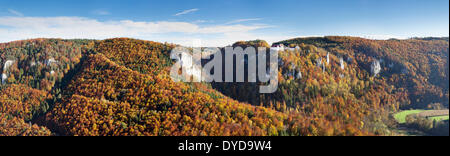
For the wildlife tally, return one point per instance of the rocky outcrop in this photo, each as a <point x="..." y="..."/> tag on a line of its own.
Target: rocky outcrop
<point x="375" y="68"/>
<point x="6" y="67"/>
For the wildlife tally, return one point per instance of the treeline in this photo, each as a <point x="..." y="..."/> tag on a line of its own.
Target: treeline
<point x="429" y="126"/>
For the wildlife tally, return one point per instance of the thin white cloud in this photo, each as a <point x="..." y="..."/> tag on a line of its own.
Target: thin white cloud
<point x="18" y="28"/>
<point x="15" y="12"/>
<point x="186" y="12"/>
<point x="244" y="20"/>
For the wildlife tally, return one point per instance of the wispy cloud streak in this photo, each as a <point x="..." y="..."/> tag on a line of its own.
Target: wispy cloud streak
<point x="15" y="12"/>
<point x="186" y="12"/>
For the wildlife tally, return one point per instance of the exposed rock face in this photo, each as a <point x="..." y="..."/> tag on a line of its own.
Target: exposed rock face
<point x="375" y="68"/>
<point x="323" y="67"/>
<point x="8" y="64"/>
<point x="342" y="63"/>
<point x="328" y="58"/>
<point x="299" y="75"/>
<point x="4" y="78"/>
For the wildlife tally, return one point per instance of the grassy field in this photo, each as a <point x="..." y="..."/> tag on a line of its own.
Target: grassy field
<point x="401" y="116"/>
<point x="438" y="115"/>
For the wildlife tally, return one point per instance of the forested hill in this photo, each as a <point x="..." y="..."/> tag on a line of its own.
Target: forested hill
<point x="328" y="86"/>
<point x="418" y="66"/>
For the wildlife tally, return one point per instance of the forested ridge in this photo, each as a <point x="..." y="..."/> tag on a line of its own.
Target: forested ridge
<point x="122" y="87"/>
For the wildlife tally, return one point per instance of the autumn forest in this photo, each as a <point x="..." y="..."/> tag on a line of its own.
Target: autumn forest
<point x="328" y="86"/>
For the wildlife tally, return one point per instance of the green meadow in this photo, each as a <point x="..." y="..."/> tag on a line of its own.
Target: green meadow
<point x="401" y="116"/>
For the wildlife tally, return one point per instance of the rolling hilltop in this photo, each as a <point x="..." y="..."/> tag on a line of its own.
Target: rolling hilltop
<point x="328" y="86"/>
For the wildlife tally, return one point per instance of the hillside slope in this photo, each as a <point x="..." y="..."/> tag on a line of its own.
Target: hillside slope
<point x="418" y="67"/>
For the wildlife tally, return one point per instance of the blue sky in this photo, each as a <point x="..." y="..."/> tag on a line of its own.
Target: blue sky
<point x="221" y="22"/>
